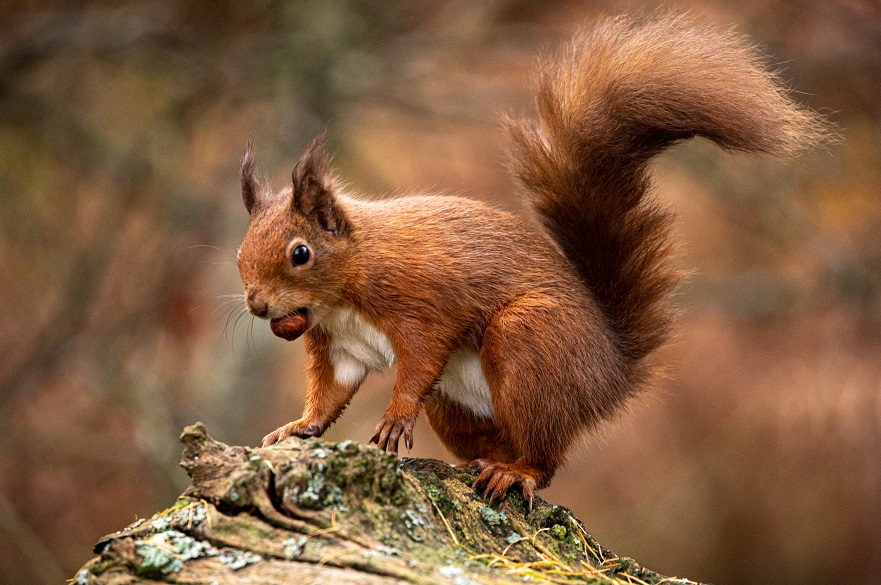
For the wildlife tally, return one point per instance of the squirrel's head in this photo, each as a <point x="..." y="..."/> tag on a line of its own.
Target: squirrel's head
<point x="295" y="252"/>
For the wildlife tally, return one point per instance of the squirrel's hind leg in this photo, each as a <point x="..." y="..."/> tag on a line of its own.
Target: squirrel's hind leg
<point x="534" y="353"/>
<point x="478" y="441"/>
<point x="467" y="435"/>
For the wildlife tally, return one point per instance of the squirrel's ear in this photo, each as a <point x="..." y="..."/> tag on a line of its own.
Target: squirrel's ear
<point x="314" y="186"/>
<point x="250" y="188"/>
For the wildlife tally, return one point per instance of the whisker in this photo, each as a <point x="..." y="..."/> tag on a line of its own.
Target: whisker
<point x="234" y="305"/>
<point x="228" y="309"/>
<point x="251" y="336"/>
<point x="226" y="329"/>
<point x="206" y="246"/>
<point x="235" y="325"/>
<point x="218" y="307"/>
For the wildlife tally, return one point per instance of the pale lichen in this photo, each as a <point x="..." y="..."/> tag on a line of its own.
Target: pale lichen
<point x="237" y="559"/>
<point x="492" y="517"/>
<point x="167" y="551"/>
<point x="293" y="547"/>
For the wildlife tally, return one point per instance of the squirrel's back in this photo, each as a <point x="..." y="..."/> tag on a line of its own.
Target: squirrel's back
<point x="461" y="255"/>
<point x="623" y="92"/>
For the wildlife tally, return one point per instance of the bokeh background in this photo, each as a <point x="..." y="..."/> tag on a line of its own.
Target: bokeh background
<point x="757" y="459"/>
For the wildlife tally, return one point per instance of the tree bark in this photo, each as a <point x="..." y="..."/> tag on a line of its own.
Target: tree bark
<point x="316" y="512"/>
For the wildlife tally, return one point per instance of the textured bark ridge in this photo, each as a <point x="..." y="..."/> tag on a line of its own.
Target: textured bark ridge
<point x="311" y="511"/>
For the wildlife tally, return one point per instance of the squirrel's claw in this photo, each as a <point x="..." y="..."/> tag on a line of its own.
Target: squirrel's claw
<point x="389" y="431"/>
<point x="298" y="428"/>
<point x="496" y="479"/>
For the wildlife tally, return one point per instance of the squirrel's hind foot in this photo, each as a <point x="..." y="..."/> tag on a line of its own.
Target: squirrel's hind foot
<point x="496" y="479"/>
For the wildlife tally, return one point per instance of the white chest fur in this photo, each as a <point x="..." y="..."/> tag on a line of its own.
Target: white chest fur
<point x="357" y="347"/>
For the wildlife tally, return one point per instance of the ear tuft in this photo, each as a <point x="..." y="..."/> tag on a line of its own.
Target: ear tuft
<point x="250" y="188"/>
<point x="314" y="186"/>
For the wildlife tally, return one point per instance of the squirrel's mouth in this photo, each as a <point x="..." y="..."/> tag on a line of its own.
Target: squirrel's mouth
<point x="292" y="325"/>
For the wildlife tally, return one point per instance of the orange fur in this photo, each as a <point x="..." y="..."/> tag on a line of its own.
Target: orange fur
<point x="514" y="339"/>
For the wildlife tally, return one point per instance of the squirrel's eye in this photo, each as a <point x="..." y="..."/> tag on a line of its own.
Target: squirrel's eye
<point x="300" y="255"/>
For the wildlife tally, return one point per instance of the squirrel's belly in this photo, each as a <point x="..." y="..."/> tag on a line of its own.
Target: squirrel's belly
<point x="357" y="347"/>
<point x="464" y="382"/>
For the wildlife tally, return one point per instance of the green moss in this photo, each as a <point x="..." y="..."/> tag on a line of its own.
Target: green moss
<point x="442" y="499"/>
<point x="516" y="500"/>
<point x="558" y="531"/>
<point x="553" y="515"/>
<point x="103" y="565"/>
<point x="433" y="493"/>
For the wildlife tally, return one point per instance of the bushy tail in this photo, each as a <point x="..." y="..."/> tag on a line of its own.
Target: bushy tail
<point x="622" y="93"/>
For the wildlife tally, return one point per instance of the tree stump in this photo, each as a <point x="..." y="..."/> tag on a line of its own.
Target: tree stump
<point x="309" y="511"/>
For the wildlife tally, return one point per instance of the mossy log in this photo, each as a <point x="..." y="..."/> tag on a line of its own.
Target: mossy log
<point x="312" y="511"/>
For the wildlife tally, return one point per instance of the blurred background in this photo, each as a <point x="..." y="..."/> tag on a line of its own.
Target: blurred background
<point x="757" y="459"/>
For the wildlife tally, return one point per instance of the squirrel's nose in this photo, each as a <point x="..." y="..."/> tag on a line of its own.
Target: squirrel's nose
<point x="257" y="306"/>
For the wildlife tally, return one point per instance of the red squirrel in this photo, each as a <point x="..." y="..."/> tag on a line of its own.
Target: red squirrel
<point x="514" y="337"/>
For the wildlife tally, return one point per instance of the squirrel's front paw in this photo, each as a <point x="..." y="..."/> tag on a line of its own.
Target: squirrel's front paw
<point x="389" y="430"/>
<point x="298" y="428"/>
